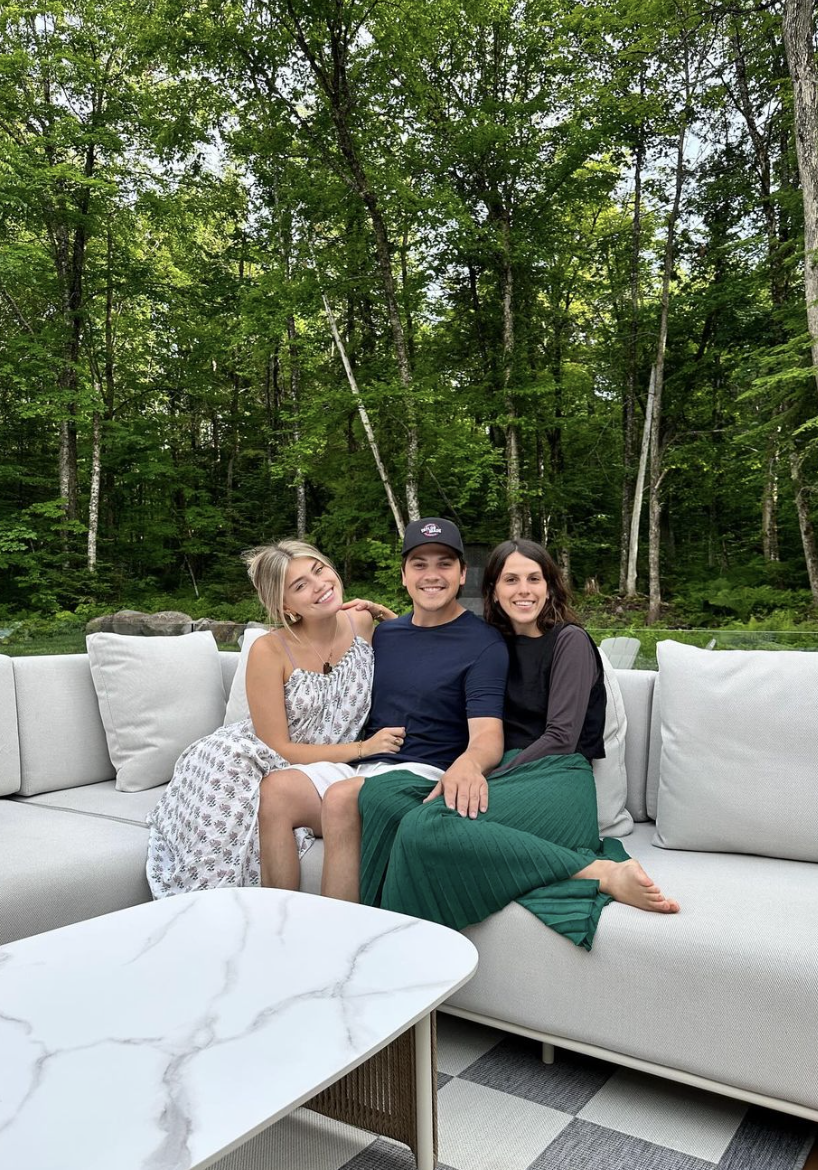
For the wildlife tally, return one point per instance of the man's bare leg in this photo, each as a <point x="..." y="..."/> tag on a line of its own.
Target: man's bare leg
<point x="287" y="801"/>
<point x="627" y="882"/>
<point x="341" y="829"/>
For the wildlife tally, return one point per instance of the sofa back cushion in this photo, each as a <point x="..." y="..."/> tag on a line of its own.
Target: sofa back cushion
<point x="62" y="740"/>
<point x="610" y="775"/>
<point x="637" y="694"/>
<point x="654" y="750"/>
<point x="9" y="738"/>
<point x="737" y="772"/>
<point x="156" y="696"/>
<point x="228" y="661"/>
<point x="237" y="708"/>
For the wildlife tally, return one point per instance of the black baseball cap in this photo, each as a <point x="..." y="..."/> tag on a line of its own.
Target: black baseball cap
<point x="432" y="530"/>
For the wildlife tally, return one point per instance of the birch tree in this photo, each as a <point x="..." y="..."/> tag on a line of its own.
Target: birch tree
<point x="798" y="28"/>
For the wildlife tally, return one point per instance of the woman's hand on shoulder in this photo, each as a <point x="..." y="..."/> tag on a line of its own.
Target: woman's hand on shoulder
<point x="365" y="614"/>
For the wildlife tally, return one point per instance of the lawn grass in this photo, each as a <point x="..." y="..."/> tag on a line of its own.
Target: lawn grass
<point x="68" y="642"/>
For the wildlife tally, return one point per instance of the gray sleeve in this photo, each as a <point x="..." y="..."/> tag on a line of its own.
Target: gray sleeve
<point x="574" y="671"/>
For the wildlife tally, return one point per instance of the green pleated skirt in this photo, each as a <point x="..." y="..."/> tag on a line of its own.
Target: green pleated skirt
<point x="540" y="829"/>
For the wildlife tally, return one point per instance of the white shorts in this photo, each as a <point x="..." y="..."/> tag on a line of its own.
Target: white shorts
<point x="322" y="775"/>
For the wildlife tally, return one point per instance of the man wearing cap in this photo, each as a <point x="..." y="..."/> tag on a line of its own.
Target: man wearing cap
<point x="440" y="674"/>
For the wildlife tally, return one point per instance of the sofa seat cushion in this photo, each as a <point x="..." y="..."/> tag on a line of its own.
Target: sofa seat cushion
<point x="56" y="872"/>
<point x="726" y="989"/>
<point x="101" y="800"/>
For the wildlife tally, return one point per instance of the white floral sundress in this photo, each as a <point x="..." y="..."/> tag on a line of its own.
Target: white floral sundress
<point x="204" y="830"/>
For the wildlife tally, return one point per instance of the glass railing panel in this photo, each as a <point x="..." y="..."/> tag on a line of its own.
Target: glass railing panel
<point x="645" y="658"/>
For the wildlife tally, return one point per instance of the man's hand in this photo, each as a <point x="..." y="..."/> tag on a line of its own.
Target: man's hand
<point x="463" y="787"/>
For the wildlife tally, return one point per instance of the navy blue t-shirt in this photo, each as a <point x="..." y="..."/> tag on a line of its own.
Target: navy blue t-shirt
<point x="431" y="680"/>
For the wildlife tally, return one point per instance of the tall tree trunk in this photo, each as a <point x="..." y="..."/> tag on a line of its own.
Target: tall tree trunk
<point x="70" y="264"/>
<point x="93" y="501"/>
<point x="776" y="254"/>
<point x="334" y="82"/>
<point x="769" y="503"/>
<point x="799" y="33"/>
<point x="560" y="305"/>
<point x="295" y="397"/>
<point x="544" y="516"/>
<point x="400" y="523"/>
<point x="479" y="322"/>
<point x="515" y="509"/>
<point x="639" y="488"/>
<point x="68" y="460"/>
<point x="407" y="297"/>
<point x="230" y="473"/>
<point x="108" y="383"/>
<point x="805" y="522"/>
<point x="71" y="278"/>
<point x="629" y="398"/>
<point x="656" y="473"/>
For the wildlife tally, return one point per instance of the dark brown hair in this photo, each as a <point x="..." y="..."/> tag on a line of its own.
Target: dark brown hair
<point x="557" y="606"/>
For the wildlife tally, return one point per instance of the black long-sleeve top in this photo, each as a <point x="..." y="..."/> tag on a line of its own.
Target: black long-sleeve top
<point x="555" y="696"/>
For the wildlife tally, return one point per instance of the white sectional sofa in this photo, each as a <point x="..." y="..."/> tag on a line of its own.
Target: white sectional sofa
<point x="723" y="995"/>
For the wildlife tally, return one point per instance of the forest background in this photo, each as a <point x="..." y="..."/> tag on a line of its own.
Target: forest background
<point x="317" y="267"/>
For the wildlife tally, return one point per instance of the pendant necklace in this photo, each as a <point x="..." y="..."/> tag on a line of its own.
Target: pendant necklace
<point x="326" y="667"/>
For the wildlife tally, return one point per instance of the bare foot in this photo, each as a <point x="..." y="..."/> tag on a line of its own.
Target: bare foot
<point x="627" y="882"/>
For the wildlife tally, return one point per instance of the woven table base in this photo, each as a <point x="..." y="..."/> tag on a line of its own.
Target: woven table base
<point x="380" y="1096"/>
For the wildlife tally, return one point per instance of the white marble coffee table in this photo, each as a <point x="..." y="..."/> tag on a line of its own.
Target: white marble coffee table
<point x="163" y="1036"/>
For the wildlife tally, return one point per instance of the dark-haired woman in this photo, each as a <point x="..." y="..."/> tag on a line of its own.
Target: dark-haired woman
<point x="538" y="842"/>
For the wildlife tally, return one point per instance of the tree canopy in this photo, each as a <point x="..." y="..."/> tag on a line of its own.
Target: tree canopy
<point x="518" y="262"/>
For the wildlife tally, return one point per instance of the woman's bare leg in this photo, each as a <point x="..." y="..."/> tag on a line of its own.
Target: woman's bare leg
<point x="627" y="882"/>
<point x="341" y="830"/>
<point x="287" y="801"/>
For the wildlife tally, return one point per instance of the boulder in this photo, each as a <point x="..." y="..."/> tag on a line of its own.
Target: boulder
<point x="225" y="633"/>
<point x="127" y="621"/>
<point x="104" y="624"/>
<point x="166" y="623"/>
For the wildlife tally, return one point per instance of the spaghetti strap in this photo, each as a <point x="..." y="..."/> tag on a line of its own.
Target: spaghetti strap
<point x="286" y="647"/>
<point x="351" y="624"/>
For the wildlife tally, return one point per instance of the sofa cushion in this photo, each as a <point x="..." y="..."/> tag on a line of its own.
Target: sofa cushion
<point x="62" y="740"/>
<point x="228" y="661"/>
<point x="637" y="693"/>
<point x="56" y="872"/>
<point x="739" y="747"/>
<point x="654" y="751"/>
<point x="156" y="696"/>
<point x="9" y="738"/>
<point x="610" y="774"/>
<point x="100" y="800"/>
<point x="725" y="989"/>
<point x="237" y="702"/>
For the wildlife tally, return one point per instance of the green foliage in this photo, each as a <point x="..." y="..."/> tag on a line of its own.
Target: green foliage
<point x="180" y="186"/>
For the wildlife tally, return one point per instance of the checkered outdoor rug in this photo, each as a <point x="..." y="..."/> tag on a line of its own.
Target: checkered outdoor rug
<point x="501" y="1108"/>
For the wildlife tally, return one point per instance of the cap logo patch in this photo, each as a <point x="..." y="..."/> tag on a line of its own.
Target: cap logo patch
<point x="431" y="530"/>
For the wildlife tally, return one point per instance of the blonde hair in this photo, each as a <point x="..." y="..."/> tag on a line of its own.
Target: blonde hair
<point x="267" y="568"/>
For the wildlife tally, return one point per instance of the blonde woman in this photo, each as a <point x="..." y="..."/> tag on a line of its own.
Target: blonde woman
<point x="236" y="797"/>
